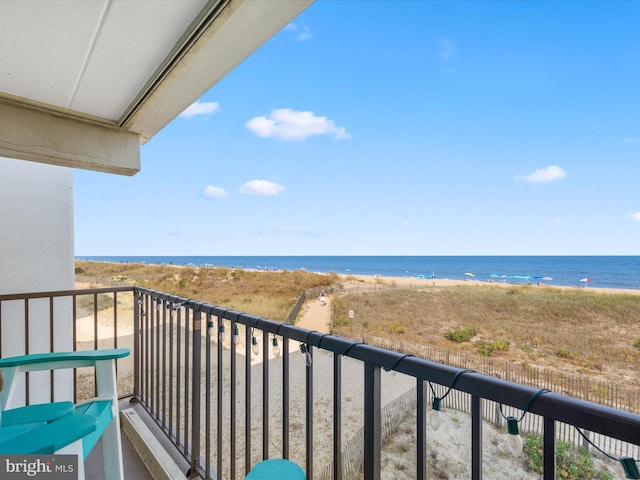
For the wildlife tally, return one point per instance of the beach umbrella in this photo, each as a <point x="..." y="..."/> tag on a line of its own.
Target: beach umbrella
<point x="547" y="279"/>
<point x="469" y="274"/>
<point x="586" y="280"/>
<point x="494" y="275"/>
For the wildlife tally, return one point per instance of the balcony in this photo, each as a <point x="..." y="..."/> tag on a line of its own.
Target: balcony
<point x="223" y="390"/>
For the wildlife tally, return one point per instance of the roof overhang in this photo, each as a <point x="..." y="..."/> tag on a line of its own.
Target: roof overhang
<point x="82" y="84"/>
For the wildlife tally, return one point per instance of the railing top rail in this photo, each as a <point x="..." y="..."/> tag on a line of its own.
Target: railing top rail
<point x="597" y="418"/>
<point x="63" y="293"/>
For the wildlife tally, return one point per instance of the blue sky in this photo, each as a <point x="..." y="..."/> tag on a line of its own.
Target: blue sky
<point x="398" y="128"/>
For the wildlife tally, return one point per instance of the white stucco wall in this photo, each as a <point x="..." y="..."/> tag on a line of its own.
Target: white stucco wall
<point x="36" y="227"/>
<point x="36" y="254"/>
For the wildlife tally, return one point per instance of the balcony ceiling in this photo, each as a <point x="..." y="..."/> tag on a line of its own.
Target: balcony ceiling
<point x="117" y="68"/>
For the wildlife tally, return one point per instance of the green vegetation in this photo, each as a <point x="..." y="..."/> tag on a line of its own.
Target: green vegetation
<point x="461" y="334"/>
<point x="396" y="327"/>
<point x="565" y="353"/>
<point x="571" y="463"/>
<point x="487" y="348"/>
<point x="86" y="302"/>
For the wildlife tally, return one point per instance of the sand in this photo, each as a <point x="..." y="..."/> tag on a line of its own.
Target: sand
<point x="448" y="449"/>
<point x="414" y="282"/>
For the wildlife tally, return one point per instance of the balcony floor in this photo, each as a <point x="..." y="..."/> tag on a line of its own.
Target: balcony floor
<point x="134" y="467"/>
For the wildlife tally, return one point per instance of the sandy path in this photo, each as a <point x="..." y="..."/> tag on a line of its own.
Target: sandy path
<point x="316" y="316"/>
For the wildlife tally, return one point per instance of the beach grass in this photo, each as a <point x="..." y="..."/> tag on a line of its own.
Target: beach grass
<point x="261" y="293"/>
<point x="580" y="331"/>
<point x="576" y="330"/>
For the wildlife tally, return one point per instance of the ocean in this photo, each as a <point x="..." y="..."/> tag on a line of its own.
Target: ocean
<point x="586" y="271"/>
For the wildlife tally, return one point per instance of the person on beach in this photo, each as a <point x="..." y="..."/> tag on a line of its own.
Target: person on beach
<point x="323" y="298"/>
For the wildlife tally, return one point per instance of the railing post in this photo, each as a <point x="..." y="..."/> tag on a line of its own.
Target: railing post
<point x="265" y="395"/>
<point x="285" y="397"/>
<point x="158" y="331"/>
<point x="195" y="389"/>
<point x="549" y="448"/>
<point x="207" y="398"/>
<point x="337" y="417"/>
<point x="137" y="359"/>
<point x="476" y="437"/>
<point x="421" y="431"/>
<point x="233" y="429"/>
<point x="247" y="401"/>
<point x="164" y="361"/>
<point x="220" y="392"/>
<point x="372" y="423"/>
<point x="146" y="371"/>
<point x="309" y="420"/>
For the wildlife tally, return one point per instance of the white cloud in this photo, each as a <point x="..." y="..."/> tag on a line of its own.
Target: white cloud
<point x="197" y="108"/>
<point x="261" y="187"/>
<point x="635" y="217"/>
<point x="214" y="192"/>
<point x="448" y="49"/>
<point x="404" y="224"/>
<point x="544" y="175"/>
<point x="556" y="221"/>
<point x="302" y="31"/>
<point x="631" y="140"/>
<point x="294" y="125"/>
<point x="304" y="35"/>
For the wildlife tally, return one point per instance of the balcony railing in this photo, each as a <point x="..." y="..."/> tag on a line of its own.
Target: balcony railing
<point x="328" y="403"/>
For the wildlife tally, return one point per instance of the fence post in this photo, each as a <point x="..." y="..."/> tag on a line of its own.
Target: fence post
<point x="585" y="442"/>
<point x="586" y="390"/>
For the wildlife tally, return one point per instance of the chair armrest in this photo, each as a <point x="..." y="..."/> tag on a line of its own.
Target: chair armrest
<point x="43" y="412"/>
<point x="55" y="360"/>
<point x="52" y="436"/>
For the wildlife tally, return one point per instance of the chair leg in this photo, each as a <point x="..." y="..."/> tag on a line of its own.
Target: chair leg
<point x="112" y="451"/>
<point x="75" y="448"/>
<point x="111" y="441"/>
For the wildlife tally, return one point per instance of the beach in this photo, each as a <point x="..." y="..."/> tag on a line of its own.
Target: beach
<point x="612" y="271"/>
<point x="414" y="282"/>
<point x="449" y="448"/>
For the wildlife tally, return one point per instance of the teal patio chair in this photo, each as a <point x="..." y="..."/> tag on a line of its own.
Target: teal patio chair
<point x="62" y="427"/>
<point x="276" y="469"/>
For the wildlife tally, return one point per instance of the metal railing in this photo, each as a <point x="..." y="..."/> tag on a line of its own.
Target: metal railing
<point x="184" y="362"/>
<point x="224" y="407"/>
<point x="43" y="321"/>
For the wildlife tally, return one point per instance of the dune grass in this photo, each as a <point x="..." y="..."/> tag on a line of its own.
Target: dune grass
<point x="573" y="330"/>
<point x="577" y="330"/>
<point x="265" y="294"/>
